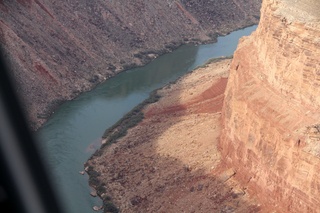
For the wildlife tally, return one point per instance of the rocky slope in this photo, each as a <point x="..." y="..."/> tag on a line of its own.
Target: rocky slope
<point x="169" y="162"/>
<point x="57" y="49"/>
<point x="271" y="110"/>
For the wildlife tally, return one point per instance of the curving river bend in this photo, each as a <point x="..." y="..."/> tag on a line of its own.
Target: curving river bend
<point x="73" y="133"/>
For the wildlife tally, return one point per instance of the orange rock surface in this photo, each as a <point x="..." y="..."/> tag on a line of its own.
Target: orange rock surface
<point x="271" y="116"/>
<point x="169" y="162"/>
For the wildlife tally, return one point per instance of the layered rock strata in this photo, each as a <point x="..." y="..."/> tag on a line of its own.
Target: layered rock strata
<point x="168" y="162"/>
<point x="57" y="49"/>
<point x="271" y="114"/>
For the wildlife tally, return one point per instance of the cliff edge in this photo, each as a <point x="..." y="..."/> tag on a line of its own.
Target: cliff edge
<point x="58" y="49"/>
<point x="169" y="162"/>
<point x="271" y="114"/>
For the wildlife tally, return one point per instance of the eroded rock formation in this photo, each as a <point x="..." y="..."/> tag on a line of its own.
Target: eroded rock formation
<point x="169" y="162"/>
<point x="271" y="110"/>
<point x="57" y="49"/>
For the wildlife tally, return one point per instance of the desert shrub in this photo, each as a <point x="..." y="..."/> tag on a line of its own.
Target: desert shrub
<point x="94" y="79"/>
<point x="107" y="198"/>
<point x="129" y="66"/>
<point x="138" y="55"/>
<point x="130" y="120"/>
<point x="100" y="189"/>
<point x="111" y="67"/>
<point x="109" y="207"/>
<point x="214" y="60"/>
<point x="93" y="177"/>
<point x="171" y="46"/>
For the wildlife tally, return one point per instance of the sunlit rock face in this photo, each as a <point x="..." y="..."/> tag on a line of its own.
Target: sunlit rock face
<point x="58" y="49"/>
<point x="271" y="112"/>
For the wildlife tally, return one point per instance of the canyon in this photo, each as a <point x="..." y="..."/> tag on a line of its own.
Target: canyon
<point x="240" y="135"/>
<point x="249" y="128"/>
<point x="271" y="108"/>
<point x="170" y="162"/>
<point x="57" y="50"/>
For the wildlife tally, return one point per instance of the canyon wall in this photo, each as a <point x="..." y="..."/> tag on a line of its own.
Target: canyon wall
<point x="58" y="49"/>
<point x="271" y="111"/>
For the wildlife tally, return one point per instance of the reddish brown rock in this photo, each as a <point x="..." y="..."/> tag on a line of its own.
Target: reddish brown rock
<point x="58" y="49"/>
<point x="271" y="110"/>
<point x="169" y="162"/>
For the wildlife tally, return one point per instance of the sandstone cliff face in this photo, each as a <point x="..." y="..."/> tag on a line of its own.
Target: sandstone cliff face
<point x="271" y="110"/>
<point x="57" y="49"/>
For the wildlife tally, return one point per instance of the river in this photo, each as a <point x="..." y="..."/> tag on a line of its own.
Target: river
<point x="72" y="134"/>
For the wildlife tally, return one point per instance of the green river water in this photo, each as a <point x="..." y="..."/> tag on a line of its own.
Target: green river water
<point x="70" y="136"/>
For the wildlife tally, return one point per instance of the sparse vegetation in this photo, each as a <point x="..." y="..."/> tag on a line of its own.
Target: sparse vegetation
<point x="111" y="67"/>
<point x="109" y="207"/>
<point x="138" y="55"/>
<point x="129" y="66"/>
<point x="214" y="60"/>
<point x="93" y="176"/>
<point x="95" y="182"/>
<point x="101" y="189"/>
<point x="214" y="36"/>
<point x="135" y="116"/>
<point x="118" y="130"/>
<point x="130" y="120"/>
<point x="94" y="79"/>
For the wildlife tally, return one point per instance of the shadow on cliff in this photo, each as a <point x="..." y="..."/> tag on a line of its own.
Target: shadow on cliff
<point x="151" y="168"/>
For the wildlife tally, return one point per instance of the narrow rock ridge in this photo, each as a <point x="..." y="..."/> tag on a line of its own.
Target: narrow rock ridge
<point x="58" y="49"/>
<point x="271" y="111"/>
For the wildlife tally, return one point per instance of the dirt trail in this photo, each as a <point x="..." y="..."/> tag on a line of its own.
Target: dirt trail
<point x="170" y="161"/>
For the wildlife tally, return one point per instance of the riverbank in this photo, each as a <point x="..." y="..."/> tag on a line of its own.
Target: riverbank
<point x="74" y="132"/>
<point x="71" y="48"/>
<point x="135" y="59"/>
<point x="170" y="160"/>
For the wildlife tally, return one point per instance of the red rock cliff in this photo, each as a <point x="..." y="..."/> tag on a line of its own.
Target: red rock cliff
<point x="271" y="110"/>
